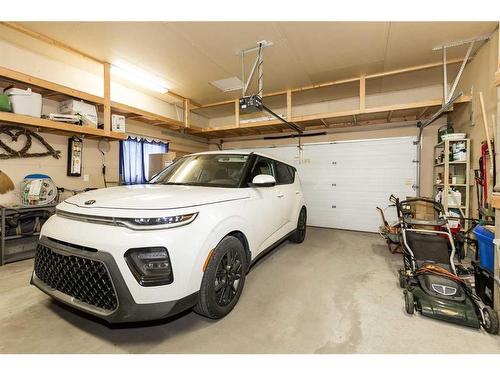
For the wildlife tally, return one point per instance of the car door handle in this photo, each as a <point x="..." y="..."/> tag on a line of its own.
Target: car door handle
<point x="280" y="195"/>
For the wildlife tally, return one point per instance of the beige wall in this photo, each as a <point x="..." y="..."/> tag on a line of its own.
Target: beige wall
<point x="479" y="76"/>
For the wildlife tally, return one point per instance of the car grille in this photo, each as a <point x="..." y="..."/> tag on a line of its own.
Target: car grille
<point x="84" y="279"/>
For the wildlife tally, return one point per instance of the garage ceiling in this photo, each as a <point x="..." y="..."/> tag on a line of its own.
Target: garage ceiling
<point x="191" y="54"/>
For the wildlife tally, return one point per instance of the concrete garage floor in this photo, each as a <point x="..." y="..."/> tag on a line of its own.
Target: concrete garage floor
<point x="335" y="293"/>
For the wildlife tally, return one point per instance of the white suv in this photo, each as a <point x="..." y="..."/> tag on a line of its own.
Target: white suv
<point x="187" y="238"/>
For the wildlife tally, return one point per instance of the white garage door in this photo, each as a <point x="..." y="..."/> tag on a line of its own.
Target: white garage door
<point x="343" y="182"/>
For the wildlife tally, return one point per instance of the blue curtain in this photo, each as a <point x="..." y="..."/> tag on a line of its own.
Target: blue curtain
<point x="134" y="159"/>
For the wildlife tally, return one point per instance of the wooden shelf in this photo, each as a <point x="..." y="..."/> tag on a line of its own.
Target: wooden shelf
<point x="57" y="92"/>
<point x="448" y="170"/>
<point x="49" y="126"/>
<point x="441" y="144"/>
<point x="333" y="120"/>
<point x="457" y="185"/>
<point x="451" y="162"/>
<point x="149" y="118"/>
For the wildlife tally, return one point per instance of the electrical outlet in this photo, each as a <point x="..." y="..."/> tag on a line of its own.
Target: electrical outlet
<point x="86" y="177"/>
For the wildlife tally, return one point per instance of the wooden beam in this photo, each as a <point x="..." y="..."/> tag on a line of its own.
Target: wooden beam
<point x="288" y="105"/>
<point x="495" y="201"/>
<point x="413" y="69"/>
<point x="362" y="93"/>
<point x="237" y="113"/>
<point x="107" y="98"/>
<point x="187" y="113"/>
<point x="347" y="80"/>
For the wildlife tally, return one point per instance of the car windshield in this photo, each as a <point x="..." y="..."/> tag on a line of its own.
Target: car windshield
<point x="219" y="170"/>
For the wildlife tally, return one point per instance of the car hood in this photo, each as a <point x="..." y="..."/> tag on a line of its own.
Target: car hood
<point x="155" y="197"/>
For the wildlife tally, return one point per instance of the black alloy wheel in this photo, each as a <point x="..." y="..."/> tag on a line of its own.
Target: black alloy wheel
<point x="223" y="279"/>
<point x="227" y="277"/>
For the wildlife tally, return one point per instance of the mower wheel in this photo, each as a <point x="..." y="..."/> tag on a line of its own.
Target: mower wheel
<point x="402" y="279"/>
<point x="409" y="303"/>
<point x="490" y="321"/>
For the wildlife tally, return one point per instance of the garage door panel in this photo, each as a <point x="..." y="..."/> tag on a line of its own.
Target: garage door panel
<point x="343" y="182"/>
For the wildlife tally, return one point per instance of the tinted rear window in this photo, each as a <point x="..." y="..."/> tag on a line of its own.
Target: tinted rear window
<point x="285" y="174"/>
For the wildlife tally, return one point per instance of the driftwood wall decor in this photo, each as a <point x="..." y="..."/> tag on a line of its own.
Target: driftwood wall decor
<point x="17" y="134"/>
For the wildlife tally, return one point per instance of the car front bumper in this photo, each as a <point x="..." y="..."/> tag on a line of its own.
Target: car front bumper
<point x="126" y="310"/>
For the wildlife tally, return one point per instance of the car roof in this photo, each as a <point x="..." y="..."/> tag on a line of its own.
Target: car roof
<point x="236" y="152"/>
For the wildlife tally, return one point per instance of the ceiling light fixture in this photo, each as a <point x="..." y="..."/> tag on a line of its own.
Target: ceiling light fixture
<point x="138" y="76"/>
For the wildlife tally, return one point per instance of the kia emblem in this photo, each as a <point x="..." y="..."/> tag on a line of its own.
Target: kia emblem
<point x="89" y="202"/>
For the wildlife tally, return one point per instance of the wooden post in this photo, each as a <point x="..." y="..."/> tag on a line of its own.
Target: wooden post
<point x="289" y="105"/>
<point x="362" y="93"/>
<point x="237" y="112"/>
<point x="107" y="98"/>
<point x="187" y="113"/>
<point x="486" y="128"/>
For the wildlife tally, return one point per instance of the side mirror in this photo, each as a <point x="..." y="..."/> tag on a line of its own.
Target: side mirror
<point x="263" y="180"/>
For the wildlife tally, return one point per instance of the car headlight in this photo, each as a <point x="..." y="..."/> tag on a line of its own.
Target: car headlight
<point x="150" y="265"/>
<point x="150" y="223"/>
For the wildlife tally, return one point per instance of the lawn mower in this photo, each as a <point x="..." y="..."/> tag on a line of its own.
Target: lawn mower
<point x="429" y="277"/>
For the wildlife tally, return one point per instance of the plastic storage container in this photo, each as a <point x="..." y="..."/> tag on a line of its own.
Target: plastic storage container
<point x="25" y="102"/>
<point x="4" y="103"/>
<point x="485" y="244"/>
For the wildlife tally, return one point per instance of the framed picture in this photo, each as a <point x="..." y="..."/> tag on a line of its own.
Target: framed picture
<point x="75" y="157"/>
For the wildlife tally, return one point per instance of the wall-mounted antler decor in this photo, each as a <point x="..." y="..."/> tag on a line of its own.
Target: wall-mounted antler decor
<point x="14" y="132"/>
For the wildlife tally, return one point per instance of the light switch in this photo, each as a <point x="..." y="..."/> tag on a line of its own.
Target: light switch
<point x="85" y="177"/>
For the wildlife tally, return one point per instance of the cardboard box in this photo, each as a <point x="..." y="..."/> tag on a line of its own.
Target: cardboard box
<point x="158" y="162"/>
<point x="424" y="211"/>
<point x="86" y="110"/>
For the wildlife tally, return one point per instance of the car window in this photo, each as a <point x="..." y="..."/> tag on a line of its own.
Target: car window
<point x="284" y="174"/>
<point x="262" y="166"/>
<point x="220" y="170"/>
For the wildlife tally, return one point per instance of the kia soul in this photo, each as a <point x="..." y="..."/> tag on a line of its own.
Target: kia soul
<point x="185" y="239"/>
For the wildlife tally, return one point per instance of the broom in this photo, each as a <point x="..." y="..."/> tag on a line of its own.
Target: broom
<point x="6" y="183"/>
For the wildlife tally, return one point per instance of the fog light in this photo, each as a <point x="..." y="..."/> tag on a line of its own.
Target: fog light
<point x="150" y="265"/>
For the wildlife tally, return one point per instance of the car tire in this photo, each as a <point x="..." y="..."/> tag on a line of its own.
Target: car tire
<point x="223" y="279"/>
<point x="299" y="234"/>
<point x="490" y="322"/>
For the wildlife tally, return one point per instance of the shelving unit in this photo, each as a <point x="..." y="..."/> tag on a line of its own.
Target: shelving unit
<point x="450" y="168"/>
<point x="49" y="126"/>
<point x="56" y="92"/>
<point x="16" y="247"/>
